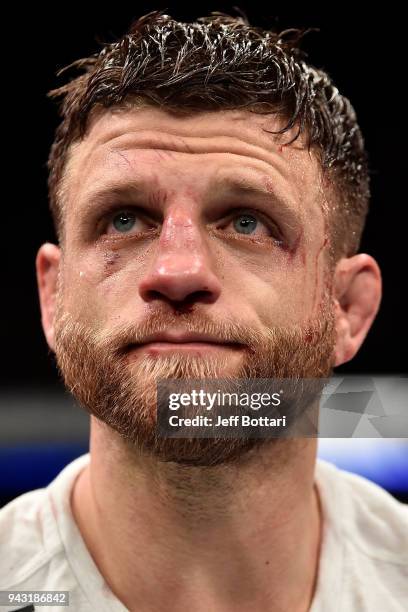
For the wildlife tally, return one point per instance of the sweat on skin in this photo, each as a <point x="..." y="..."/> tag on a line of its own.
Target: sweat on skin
<point x="187" y="176"/>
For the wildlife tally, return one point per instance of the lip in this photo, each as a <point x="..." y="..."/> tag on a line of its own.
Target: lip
<point x="175" y="337"/>
<point x="171" y="341"/>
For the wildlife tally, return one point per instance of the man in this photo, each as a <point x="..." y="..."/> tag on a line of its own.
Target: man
<point x="209" y="189"/>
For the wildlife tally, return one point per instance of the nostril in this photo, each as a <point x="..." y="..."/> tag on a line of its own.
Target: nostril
<point x="153" y="294"/>
<point x="203" y="295"/>
<point x="187" y="305"/>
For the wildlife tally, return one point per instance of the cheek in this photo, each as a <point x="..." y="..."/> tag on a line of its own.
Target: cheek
<point x="99" y="285"/>
<point x="278" y="288"/>
<point x="290" y="291"/>
<point x="281" y="300"/>
<point x="275" y="288"/>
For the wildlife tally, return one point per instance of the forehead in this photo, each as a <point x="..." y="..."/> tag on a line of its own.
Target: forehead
<point x="243" y="139"/>
<point x="107" y="125"/>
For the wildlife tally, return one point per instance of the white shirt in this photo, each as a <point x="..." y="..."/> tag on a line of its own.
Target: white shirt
<point x="363" y="564"/>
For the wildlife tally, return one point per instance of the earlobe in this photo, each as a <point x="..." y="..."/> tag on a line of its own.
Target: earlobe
<point x="357" y="296"/>
<point x="47" y="268"/>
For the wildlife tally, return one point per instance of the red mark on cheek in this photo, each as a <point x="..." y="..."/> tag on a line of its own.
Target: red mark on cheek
<point x="308" y="336"/>
<point x="325" y="243"/>
<point x="311" y="336"/>
<point x="322" y="246"/>
<point x="111" y="258"/>
<point x="294" y="250"/>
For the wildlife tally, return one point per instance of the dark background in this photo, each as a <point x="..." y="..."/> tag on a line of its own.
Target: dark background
<point x="363" y="53"/>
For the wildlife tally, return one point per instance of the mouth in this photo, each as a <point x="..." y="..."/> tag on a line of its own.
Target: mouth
<point x="197" y="347"/>
<point x="187" y="342"/>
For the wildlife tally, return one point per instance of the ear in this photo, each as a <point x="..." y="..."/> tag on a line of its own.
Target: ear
<point x="47" y="267"/>
<point x="357" y="296"/>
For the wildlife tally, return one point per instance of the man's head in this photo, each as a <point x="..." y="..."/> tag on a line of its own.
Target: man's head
<point x="206" y="179"/>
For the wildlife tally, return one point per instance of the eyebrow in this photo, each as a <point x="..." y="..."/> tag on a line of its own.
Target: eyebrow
<point x="228" y="186"/>
<point x="115" y="188"/>
<point x="241" y="185"/>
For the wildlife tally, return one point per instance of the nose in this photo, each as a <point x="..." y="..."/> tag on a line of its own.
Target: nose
<point x="181" y="272"/>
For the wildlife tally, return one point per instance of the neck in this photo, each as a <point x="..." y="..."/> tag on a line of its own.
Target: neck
<point x="242" y="536"/>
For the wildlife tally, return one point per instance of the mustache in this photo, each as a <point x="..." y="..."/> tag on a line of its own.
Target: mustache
<point x="225" y="331"/>
<point x="117" y="338"/>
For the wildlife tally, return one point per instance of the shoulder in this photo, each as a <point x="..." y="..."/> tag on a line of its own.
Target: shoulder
<point x="30" y="536"/>
<point x="372" y="520"/>
<point x="23" y="538"/>
<point x="364" y="554"/>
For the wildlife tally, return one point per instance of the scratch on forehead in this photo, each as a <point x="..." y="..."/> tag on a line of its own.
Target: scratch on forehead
<point x="160" y="154"/>
<point x="122" y="155"/>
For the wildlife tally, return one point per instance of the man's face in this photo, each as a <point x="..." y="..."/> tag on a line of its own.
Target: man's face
<point x="202" y="224"/>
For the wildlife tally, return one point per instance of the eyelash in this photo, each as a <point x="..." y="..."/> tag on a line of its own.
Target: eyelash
<point x="273" y="227"/>
<point x="112" y="210"/>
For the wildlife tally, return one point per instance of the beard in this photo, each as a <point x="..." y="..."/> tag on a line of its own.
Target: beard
<point x="95" y="369"/>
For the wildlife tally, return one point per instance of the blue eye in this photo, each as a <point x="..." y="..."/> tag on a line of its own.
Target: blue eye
<point x="245" y="223"/>
<point x="124" y="221"/>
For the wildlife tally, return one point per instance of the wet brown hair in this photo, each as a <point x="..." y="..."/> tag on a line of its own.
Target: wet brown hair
<point x="221" y="62"/>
